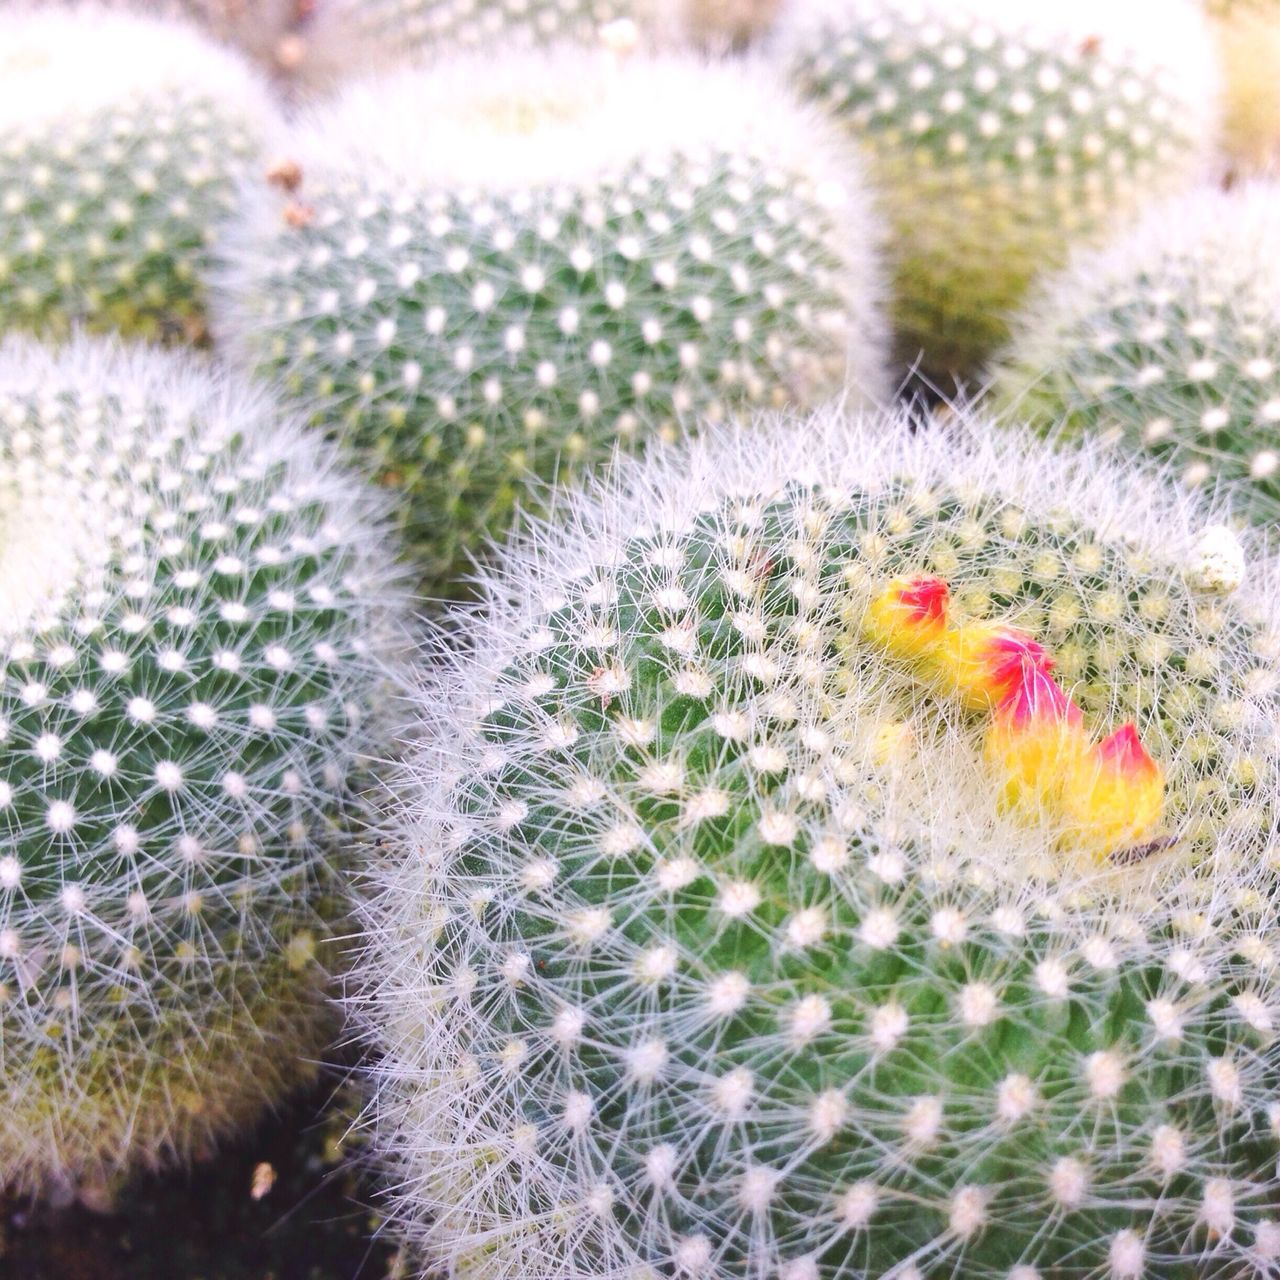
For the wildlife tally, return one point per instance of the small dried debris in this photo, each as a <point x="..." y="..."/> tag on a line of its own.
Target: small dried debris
<point x="298" y="215"/>
<point x="264" y="1178"/>
<point x="285" y="174"/>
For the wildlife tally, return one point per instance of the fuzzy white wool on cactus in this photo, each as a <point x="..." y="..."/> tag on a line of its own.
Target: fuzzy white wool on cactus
<point x="122" y="139"/>
<point x="566" y="255"/>
<point x="708" y="947"/>
<point x="197" y="610"/>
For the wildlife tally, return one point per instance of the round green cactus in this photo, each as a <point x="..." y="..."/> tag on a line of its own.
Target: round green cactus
<point x="195" y="608"/>
<point x="1168" y="342"/>
<point x="1000" y="132"/>
<point x="567" y="256"/>
<point x="122" y="140"/>
<point x="711" y="949"/>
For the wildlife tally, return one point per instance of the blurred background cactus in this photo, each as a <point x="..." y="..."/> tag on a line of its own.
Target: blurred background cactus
<point x="122" y="139"/>
<point x="195" y="605"/>
<point x="1167" y="342"/>
<point x="1248" y="36"/>
<point x="569" y="254"/>
<point x="1000" y="132"/>
<point x="712" y="947"/>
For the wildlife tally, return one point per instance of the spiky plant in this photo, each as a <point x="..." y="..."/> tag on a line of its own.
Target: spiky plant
<point x="1000" y="132"/>
<point x="1167" y="342"/>
<point x="567" y="254"/>
<point x="1248" y="36"/>
<point x="713" y="944"/>
<point x="122" y="140"/>
<point x="195" y="603"/>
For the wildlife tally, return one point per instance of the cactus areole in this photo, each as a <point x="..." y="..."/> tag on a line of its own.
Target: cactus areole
<point x="765" y="903"/>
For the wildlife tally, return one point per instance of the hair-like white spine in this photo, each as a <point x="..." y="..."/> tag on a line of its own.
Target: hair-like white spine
<point x="1001" y="132"/>
<point x="566" y="254"/>
<point x="706" y="948"/>
<point x="1167" y="341"/>
<point x="198" y="613"/>
<point x="122" y="140"/>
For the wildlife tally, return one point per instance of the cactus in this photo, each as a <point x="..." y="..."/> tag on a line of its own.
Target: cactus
<point x="122" y="140"/>
<point x="1001" y="132"/>
<point x="1248" y="36"/>
<point x="192" y="605"/>
<point x="1168" y="342"/>
<point x="569" y="254"/>
<point x="710" y="945"/>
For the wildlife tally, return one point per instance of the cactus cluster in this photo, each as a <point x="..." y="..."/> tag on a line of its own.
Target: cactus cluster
<point x="1000" y="132"/>
<point x="568" y="255"/>
<point x="712" y="946"/>
<point x="196" y="606"/>
<point x="122" y="140"/>
<point x="1168" y="342"/>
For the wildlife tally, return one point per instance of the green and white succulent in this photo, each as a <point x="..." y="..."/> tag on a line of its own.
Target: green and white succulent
<point x="122" y="141"/>
<point x="1000" y="133"/>
<point x="706" y="948"/>
<point x="196" y="610"/>
<point x="568" y="255"/>
<point x="1168" y="342"/>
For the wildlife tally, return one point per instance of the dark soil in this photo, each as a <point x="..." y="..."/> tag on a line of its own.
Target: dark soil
<point x="313" y="1224"/>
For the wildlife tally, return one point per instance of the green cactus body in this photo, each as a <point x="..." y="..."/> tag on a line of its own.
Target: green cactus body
<point x="1168" y="343"/>
<point x="188" y="599"/>
<point x="709" y="952"/>
<point x="122" y="141"/>
<point x="565" y="276"/>
<point x="1000" y="132"/>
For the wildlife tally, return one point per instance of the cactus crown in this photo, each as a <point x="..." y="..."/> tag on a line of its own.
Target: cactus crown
<point x="121" y="140"/>
<point x="1001" y="131"/>
<point x="595" y="251"/>
<point x="188" y="683"/>
<point x="1168" y="342"/>
<point x="712" y="948"/>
